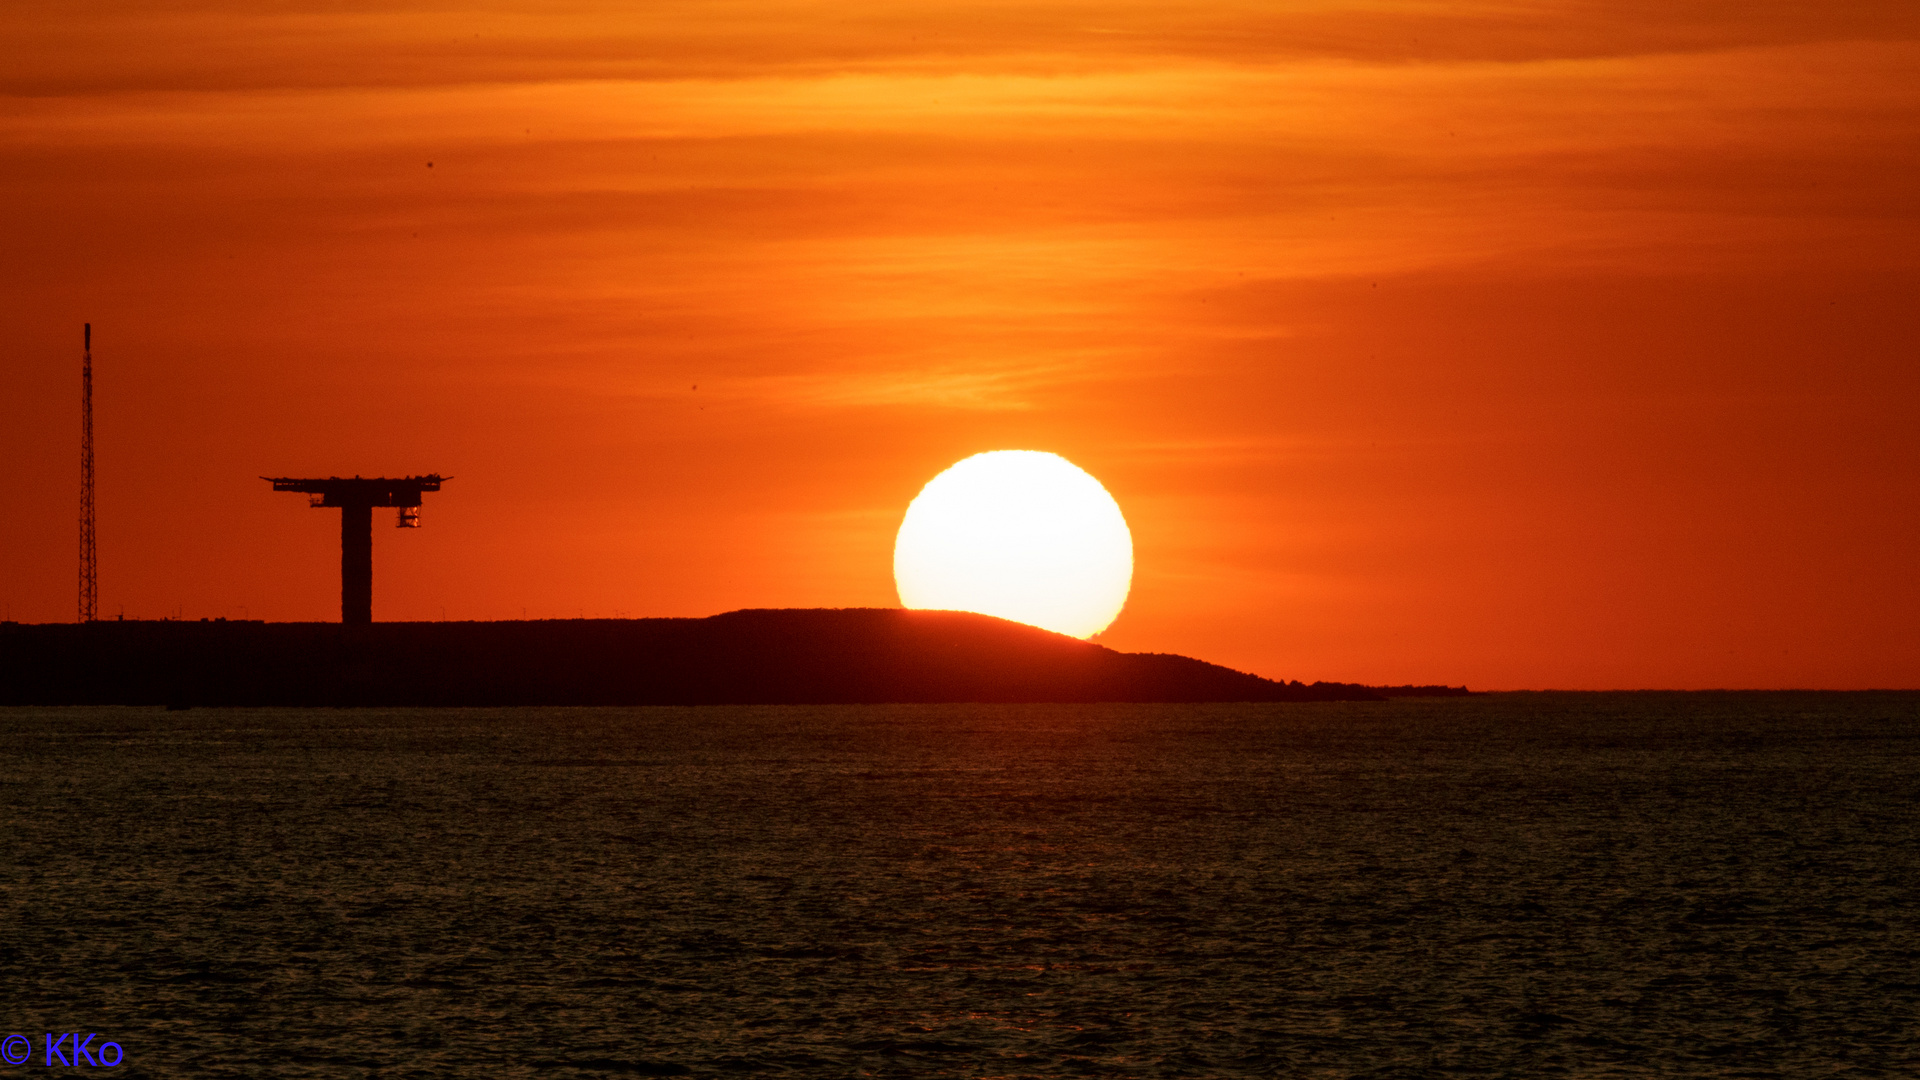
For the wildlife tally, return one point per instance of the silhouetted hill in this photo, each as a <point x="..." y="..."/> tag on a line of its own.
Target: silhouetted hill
<point x="813" y="656"/>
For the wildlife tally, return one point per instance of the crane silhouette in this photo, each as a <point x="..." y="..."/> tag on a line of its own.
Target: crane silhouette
<point x="356" y="497"/>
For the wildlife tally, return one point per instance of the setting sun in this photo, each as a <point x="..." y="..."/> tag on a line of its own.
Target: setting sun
<point x="1021" y="535"/>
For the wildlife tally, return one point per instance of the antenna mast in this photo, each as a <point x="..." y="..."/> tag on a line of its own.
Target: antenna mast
<point x="89" y="578"/>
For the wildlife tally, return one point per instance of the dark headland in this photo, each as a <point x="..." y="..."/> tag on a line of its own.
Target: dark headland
<point x="814" y="656"/>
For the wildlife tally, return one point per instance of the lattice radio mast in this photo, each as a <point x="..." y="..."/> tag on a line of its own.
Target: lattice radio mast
<point x="89" y="575"/>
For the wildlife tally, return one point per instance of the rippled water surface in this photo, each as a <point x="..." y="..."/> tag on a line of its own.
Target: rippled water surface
<point x="1509" y="885"/>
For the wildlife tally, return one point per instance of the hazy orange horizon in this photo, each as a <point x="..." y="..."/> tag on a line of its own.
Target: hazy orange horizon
<point x="1540" y="345"/>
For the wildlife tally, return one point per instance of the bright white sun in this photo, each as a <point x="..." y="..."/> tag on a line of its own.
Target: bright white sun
<point x="1020" y="534"/>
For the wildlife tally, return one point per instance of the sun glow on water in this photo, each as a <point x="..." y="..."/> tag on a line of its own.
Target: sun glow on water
<point x="1018" y="534"/>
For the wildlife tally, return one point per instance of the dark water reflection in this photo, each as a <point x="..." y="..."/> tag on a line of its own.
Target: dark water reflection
<point x="1517" y="885"/>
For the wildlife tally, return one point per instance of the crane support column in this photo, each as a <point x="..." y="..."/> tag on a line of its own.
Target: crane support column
<point x="356" y="563"/>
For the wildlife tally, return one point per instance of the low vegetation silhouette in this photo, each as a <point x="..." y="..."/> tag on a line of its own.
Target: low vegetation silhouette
<point x="798" y="656"/>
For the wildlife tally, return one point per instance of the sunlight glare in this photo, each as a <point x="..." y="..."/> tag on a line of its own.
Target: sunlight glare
<point x="1019" y="534"/>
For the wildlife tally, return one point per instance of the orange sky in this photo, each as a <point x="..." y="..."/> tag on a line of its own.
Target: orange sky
<point x="1554" y="344"/>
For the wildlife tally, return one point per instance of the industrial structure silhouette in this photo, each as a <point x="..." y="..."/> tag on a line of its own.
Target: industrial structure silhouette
<point x="356" y="497"/>
<point x="89" y="563"/>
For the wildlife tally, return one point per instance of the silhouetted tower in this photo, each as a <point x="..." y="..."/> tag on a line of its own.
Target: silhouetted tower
<point x="356" y="497"/>
<point x="89" y="571"/>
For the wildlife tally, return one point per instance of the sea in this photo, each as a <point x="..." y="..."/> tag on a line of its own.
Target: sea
<point x="1502" y="885"/>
